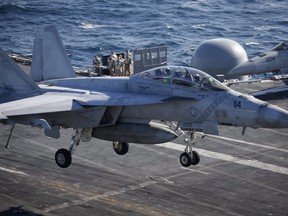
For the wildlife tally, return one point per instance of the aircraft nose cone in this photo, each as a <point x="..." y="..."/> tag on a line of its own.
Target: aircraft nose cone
<point x="243" y="69"/>
<point x="273" y="117"/>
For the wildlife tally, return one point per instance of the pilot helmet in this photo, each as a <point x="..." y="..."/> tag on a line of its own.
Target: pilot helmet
<point x="158" y="72"/>
<point x="196" y="77"/>
<point x="167" y="71"/>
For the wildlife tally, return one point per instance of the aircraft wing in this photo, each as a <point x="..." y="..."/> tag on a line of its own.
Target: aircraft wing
<point x="76" y="108"/>
<point x="57" y="102"/>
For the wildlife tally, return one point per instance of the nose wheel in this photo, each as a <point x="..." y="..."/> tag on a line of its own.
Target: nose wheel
<point x="188" y="159"/>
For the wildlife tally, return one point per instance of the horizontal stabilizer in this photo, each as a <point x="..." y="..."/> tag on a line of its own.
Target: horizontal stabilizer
<point x="2" y="117"/>
<point x="39" y="104"/>
<point x="12" y="77"/>
<point x="50" y="60"/>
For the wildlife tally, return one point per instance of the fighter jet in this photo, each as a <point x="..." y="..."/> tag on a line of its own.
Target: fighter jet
<point x="271" y="61"/>
<point x="150" y="107"/>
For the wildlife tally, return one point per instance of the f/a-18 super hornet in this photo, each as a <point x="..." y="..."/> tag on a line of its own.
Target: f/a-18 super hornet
<point x="270" y="61"/>
<point x="274" y="61"/>
<point x="147" y="108"/>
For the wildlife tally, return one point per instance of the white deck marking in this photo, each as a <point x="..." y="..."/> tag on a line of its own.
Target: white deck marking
<point x="229" y="158"/>
<point x="247" y="143"/>
<point x="198" y="171"/>
<point x="13" y="171"/>
<point x="283" y="133"/>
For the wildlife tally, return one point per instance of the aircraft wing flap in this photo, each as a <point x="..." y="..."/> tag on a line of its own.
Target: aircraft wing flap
<point x="39" y="104"/>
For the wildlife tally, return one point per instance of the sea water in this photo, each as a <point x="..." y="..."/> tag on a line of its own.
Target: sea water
<point x="96" y="27"/>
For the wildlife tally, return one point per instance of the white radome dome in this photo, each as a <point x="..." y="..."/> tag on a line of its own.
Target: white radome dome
<point x="218" y="56"/>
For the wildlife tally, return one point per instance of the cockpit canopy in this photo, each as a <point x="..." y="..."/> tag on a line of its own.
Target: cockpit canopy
<point x="185" y="76"/>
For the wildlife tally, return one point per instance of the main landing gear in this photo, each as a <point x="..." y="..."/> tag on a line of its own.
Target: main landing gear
<point x="63" y="157"/>
<point x="121" y="148"/>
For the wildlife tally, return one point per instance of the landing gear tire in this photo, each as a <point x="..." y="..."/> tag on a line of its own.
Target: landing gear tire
<point x="187" y="159"/>
<point x="121" y="148"/>
<point x="196" y="158"/>
<point x="63" y="158"/>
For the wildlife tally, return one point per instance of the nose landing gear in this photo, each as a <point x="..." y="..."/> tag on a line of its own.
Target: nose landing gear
<point x="190" y="157"/>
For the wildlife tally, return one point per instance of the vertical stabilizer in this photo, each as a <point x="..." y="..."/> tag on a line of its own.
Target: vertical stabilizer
<point x="13" y="78"/>
<point x="50" y="60"/>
